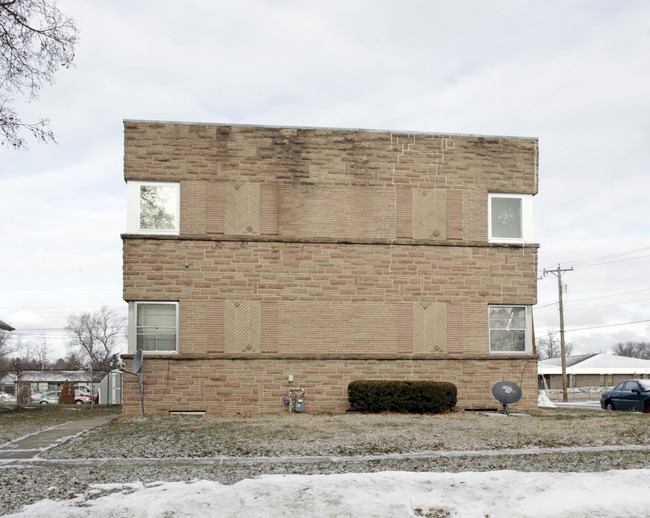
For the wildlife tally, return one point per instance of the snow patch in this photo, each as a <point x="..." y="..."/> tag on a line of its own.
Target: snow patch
<point x="544" y="401"/>
<point x="387" y="494"/>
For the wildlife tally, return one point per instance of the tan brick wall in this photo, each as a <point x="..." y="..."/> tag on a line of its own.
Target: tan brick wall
<point x="306" y="183"/>
<point x="328" y="298"/>
<point x="229" y="153"/>
<point x="170" y="268"/>
<point x="231" y="386"/>
<point x="331" y="255"/>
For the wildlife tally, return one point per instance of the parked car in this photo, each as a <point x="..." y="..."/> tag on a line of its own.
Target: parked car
<point x="82" y="397"/>
<point x="51" y="397"/>
<point x="4" y="396"/>
<point x="632" y="395"/>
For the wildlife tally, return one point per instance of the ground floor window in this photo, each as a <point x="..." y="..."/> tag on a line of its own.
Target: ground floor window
<point x="153" y="326"/>
<point x="510" y="330"/>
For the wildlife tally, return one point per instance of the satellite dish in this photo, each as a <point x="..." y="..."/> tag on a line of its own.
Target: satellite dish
<point x="137" y="361"/>
<point x="506" y="392"/>
<point x="137" y="371"/>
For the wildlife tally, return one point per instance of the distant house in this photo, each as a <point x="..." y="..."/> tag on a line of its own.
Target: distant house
<point x="591" y="370"/>
<point x="39" y="381"/>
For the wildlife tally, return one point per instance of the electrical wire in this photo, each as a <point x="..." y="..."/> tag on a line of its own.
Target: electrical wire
<point x="604" y="259"/>
<point x="607" y="325"/>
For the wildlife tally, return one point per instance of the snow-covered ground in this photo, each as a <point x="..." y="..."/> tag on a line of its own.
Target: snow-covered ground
<point x="387" y="494"/>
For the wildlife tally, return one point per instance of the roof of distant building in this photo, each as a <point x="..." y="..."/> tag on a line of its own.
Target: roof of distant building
<point x="595" y="364"/>
<point x="53" y="376"/>
<point x="6" y="327"/>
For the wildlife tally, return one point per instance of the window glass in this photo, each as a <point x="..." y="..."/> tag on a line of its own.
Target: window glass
<point x="508" y="328"/>
<point x="506" y="218"/>
<point x="629" y="385"/>
<point x="156" y="326"/>
<point x="157" y="207"/>
<point x="153" y="207"/>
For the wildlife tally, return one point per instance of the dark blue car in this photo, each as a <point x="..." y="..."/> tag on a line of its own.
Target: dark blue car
<point x="631" y="395"/>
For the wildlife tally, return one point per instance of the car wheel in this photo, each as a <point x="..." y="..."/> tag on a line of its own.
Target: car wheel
<point x="43" y="402"/>
<point x="610" y="406"/>
<point x="646" y="408"/>
<point x="78" y="402"/>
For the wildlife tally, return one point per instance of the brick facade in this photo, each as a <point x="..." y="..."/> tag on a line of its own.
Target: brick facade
<point x="328" y="255"/>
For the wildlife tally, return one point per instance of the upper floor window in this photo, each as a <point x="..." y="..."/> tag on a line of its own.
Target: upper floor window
<point x="153" y="207"/>
<point x="510" y="329"/>
<point x="153" y="326"/>
<point x="510" y="218"/>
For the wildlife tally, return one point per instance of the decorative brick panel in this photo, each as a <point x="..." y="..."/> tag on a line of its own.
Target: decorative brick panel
<point x="242" y="209"/>
<point x="430" y="328"/>
<point x="269" y="209"/>
<point x="213" y="322"/>
<point x="242" y="329"/>
<point x="269" y="327"/>
<point x="404" y="212"/>
<point x="342" y="212"/>
<point x="454" y="214"/>
<point x="405" y="327"/>
<point x="215" y="208"/>
<point x="429" y="214"/>
<point x="328" y="327"/>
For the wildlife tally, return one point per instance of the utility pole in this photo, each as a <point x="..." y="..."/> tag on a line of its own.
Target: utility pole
<point x="558" y="273"/>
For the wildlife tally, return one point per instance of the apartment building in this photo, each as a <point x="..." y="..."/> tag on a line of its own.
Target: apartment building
<point x="259" y="259"/>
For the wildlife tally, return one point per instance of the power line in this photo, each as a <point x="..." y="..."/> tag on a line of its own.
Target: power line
<point x="606" y="258"/>
<point x="572" y="301"/>
<point x="614" y="261"/>
<point x="608" y="325"/>
<point x="613" y="295"/>
<point x="587" y="306"/>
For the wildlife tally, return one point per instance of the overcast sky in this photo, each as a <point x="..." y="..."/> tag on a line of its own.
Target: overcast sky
<point x="575" y="74"/>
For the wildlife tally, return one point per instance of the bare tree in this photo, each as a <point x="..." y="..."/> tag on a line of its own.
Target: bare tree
<point x="7" y="346"/>
<point x="95" y="337"/>
<point x="38" y="351"/>
<point x="633" y="349"/>
<point x="549" y="346"/>
<point x="36" y="39"/>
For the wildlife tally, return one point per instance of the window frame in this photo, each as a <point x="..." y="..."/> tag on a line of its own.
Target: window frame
<point x="528" y="341"/>
<point x="526" y="218"/>
<point x="133" y="207"/>
<point x="133" y="326"/>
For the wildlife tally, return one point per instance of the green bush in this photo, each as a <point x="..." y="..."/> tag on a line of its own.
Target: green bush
<point x="421" y="397"/>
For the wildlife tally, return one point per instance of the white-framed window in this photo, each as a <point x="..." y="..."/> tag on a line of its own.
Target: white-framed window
<point x="510" y="329"/>
<point x="153" y="327"/>
<point x="510" y="218"/>
<point x="153" y="207"/>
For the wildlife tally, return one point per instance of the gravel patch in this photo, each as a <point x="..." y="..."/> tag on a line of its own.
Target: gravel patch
<point x="194" y="449"/>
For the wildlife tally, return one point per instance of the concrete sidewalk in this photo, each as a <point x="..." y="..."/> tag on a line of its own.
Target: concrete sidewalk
<point x="30" y="446"/>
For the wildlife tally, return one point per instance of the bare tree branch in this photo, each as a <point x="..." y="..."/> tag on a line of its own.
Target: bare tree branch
<point x="633" y="349"/>
<point x="36" y="40"/>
